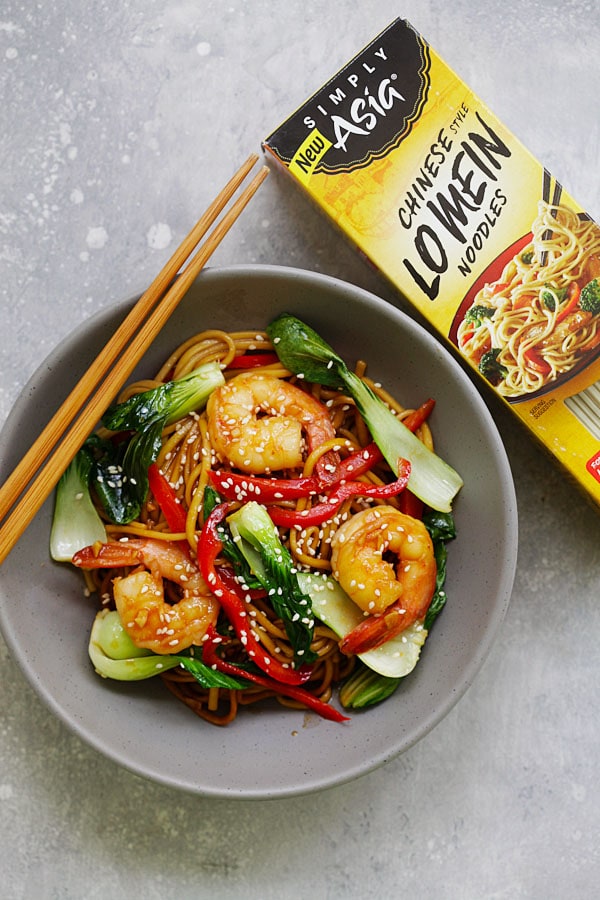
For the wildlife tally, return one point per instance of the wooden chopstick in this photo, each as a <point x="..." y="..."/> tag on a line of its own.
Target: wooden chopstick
<point x="134" y="334"/>
<point x="37" y="453"/>
<point x="546" y="188"/>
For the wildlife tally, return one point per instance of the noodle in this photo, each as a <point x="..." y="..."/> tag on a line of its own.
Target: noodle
<point x="185" y="460"/>
<point x="529" y="318"/>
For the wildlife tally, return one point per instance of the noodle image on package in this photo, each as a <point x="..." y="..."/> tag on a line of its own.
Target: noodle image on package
<point x="537" y="319"/>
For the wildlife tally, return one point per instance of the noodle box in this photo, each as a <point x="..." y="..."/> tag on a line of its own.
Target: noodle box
<point x="440" y="197"/>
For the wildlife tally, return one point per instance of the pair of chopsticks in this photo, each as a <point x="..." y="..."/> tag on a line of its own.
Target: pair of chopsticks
<point x="553" y="198"/>
<point x="115" y="363"/>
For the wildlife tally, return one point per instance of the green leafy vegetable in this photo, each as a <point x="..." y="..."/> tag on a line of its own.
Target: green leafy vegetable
<point x="332" y="605"/>
<point x="364" y="687"/>
<point x="476" y="314"/>
<point x="442" y="529"/>
<point x="208" y="677"/>
<point x="590" y="297"/>
<point x="259" y="542"/>
<point x="305" y="353"/>
<point x="115" y="656"/>
<point x="120" y="472"/>
<point x="231" y="549"/>
<point x="169" y="401"/>
<point x="552" y="295"/>
<point x="491" y="367"/>
<point x="440" y="526"/>
<point x="75" y="522"/>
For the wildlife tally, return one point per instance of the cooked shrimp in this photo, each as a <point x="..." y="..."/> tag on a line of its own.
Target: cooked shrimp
<point x="150" y="620"/>
<point x="384" y="561"/>
<point x="260" y="423"/>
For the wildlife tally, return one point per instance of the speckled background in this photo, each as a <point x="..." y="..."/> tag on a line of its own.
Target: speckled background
<point x="118" y="124"/>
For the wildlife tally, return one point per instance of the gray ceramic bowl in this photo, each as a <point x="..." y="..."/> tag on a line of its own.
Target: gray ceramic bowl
<point x="45" y="618"/>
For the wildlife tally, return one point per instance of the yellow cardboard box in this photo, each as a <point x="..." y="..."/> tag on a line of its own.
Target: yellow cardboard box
<point x="433" y="189"/>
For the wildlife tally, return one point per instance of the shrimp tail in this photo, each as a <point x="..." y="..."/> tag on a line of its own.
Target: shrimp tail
<point x="377" y="630"/>
<point x="108" y="556"/>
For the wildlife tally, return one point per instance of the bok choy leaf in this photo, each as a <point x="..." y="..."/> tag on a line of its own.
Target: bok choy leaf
<point x="115" y="656"/>
<point x="75" y="522"/>
<point x="258" y="540"/>
<point x="304" y="352"/>
<point x="120" y="471"/>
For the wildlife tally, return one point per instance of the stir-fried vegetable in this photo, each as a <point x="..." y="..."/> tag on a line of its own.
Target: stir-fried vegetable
<point x="237" y="486"/>
<point x="330" y="603"/>
<point x="170" y="504"/>
<point x="303" y="696"/>
<point x="259" y="542"/>
<point x="231" y="598"/>
<point x="114" y="655"/>
<point x="76" y="522"/>
<point x="477" y="313"/>
<point x="442" y="529"/>
<point x="321" y="512"/>
<point x="364" y="687"/>
<point x="120" y="472"/>
<point x="491" y="367"/>
<point x="305" y="353"/>
<point x="590" y="297"/>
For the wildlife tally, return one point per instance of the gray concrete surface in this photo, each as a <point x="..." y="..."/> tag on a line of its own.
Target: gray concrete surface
<point x="118" y="123"/>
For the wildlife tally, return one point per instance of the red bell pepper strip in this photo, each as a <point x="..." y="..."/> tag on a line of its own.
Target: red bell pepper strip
<point x="537" y="361"/>
<point x="573" y="295"/>
<point x="231" y="581"/>
<point x="416" y="418"/>
<point x="209" y="548"/>
<point x="253" y="360"/>
<point x="321" y="512"/>
<point x="361" y="461"/>
<point x="211" y="658"/>
<point x="466" y="335"/>
<point x="411" y="505"/>
<point x="234" y="486"/>
<point x="170" y="504"/>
